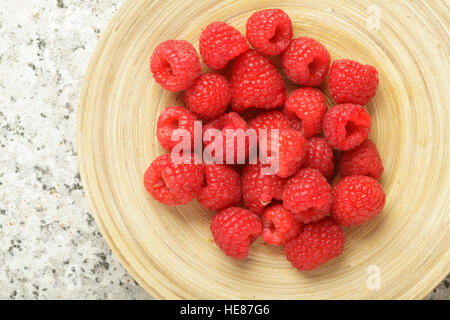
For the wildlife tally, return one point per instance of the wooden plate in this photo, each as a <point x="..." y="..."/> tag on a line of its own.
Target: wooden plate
<point x="169" y="251"/>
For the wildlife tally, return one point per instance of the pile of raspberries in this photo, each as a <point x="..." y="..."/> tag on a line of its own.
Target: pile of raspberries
<point x="296" y="208"/>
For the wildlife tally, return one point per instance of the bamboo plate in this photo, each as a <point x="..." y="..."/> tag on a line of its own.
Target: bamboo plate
<point x="168" y="250"/>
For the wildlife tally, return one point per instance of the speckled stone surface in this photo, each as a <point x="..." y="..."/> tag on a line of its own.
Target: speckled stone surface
<point x="50" y="247"/>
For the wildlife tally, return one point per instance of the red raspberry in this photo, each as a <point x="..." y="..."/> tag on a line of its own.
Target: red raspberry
<point x="291" y="151"/>
<point x="269" y="120"/>
<point x="269" y="31"/>
<point x="222" y="188"/>
<point x="258" y="189"/>
<point x="209" y="96"/>
<point x="172" y="183"/>
<point x="305" y="108"/>
<point x="319" y="242"/>
<point x="319" y="155"/>
<point x="175" y="64"/>
<point x="307" y="195"/>
<point x="356" y="199"/>
<point x="228" y="122"/>
<point x="234" y="230"/>
<point x="255" y="83"/>
<point x="306" y="62"/>
<point x="219" y="43"/>
<point x="291" y="144"/>
<point x="352" y="82"/>
<point x="278" y="225"/>
<point x="346" y="125"/>
<point x="364" y="160"/>
<point x="171" y="119"/>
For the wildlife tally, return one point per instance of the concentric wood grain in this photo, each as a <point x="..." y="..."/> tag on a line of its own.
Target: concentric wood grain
<point x="168" y="250"/>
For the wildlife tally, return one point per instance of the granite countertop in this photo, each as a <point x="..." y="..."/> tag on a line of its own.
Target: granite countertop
<point x="50" y="246"/>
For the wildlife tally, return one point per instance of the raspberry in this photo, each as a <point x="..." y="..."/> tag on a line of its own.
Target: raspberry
<point x="319" y="155"/>
<point x="269" y="120"/>
<point x="234" y="230"/>
<point x="306" y="62"/>
<point x="291" y="152"/>
<point x="352" y="82"/>
<point x="209" y="96"/>
<point x="278" y="225"/>
<point x="291" y="144"/>
<point x="364" y="160"/>
<point x="307" y="195"/>
<point x="228" y="122"/>
<point x="269" y="31"/>
<point x="346" y="125"/>
<point x="222" y="189"/>
<point x="319" y="242"/>
<point x="259" y="189"/>
<point x="171" y="119"/>
<point x="255" y="83"/>
<point x="172" y="183"/>
<point x="305" y="108"/>
<point x="175" y="64"/>
<point x="220" y="43"/>
<point x="356" y="199"/>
